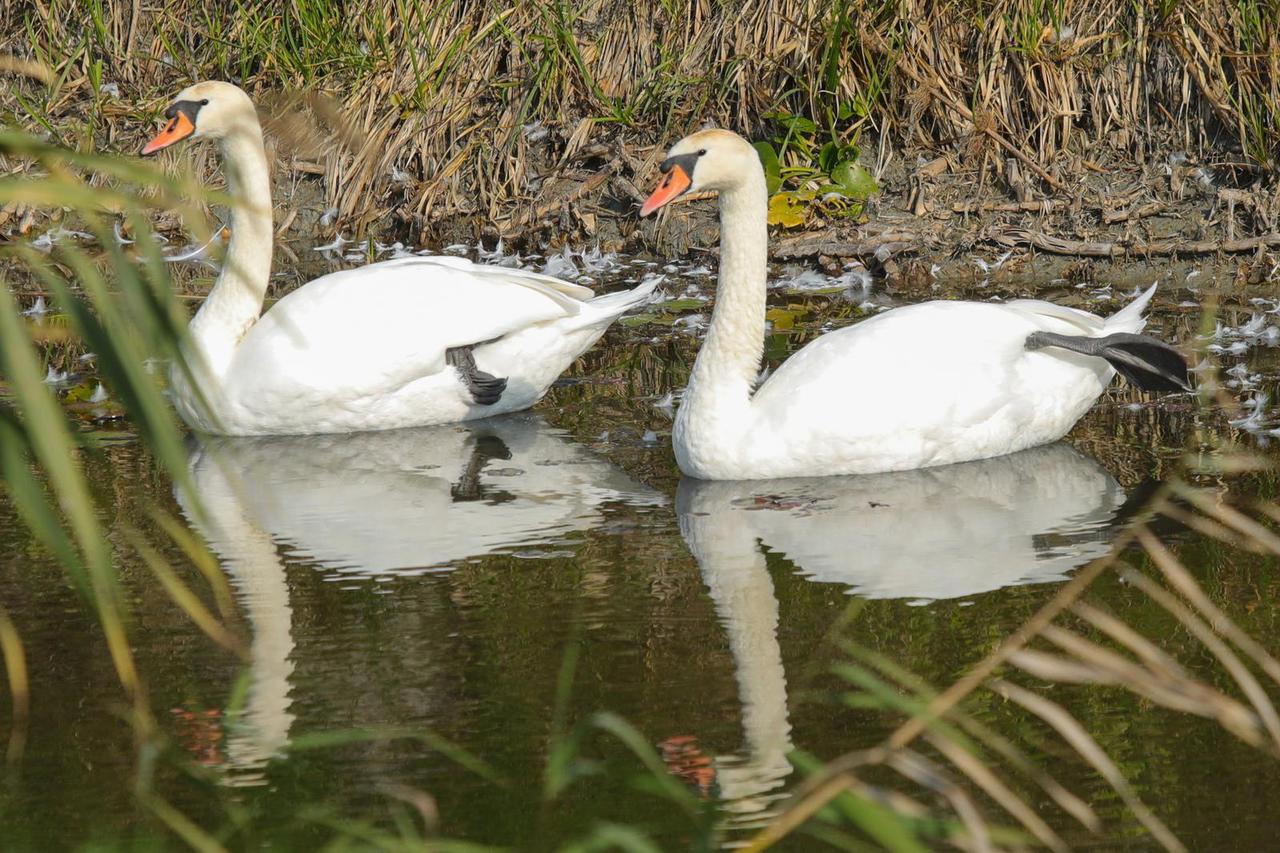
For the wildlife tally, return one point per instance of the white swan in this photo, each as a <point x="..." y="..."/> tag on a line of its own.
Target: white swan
<point x="918" y="386"/>
<point x="408" y="342"/>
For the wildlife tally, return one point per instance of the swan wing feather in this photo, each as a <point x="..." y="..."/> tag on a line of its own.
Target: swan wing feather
<point x="1052" y="318"/>
<point x="910" y="384"/>
<point x="372" y="329"/>
<point x="567" y="294"/>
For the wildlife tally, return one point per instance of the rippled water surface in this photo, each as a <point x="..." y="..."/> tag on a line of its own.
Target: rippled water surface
<point x="438" y="580"/>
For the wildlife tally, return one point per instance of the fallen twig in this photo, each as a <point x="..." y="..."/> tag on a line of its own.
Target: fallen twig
<point x="1133" y="213"/>
<point x="1045" y="206"/>
<point x="1014" y="237"/>
<point x="819" y="243"/>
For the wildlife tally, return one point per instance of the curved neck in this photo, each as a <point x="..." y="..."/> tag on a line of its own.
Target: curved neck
<point x="234" y="303"/>
<point x="725" y="370"/>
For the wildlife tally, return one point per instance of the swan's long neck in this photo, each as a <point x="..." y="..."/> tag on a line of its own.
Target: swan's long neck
<point x="719" y="393"/>
<point x="236" y="299"/>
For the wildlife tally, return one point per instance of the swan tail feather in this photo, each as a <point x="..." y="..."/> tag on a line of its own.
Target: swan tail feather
<point x="616" y="304"/>
<point x="567" y="295"/>
<point x="1129" y="318"/>
<point x="1150" y="364"/>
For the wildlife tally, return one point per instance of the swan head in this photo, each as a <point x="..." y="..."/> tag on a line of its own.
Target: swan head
<point x="212" y="110"/>
<point x="713" y="159"/>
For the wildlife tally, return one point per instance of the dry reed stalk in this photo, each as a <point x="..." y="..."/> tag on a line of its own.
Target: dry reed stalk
<point x="441" y="92"/>
<point x="15" y="666"/>
<point x="1120" y="656"/>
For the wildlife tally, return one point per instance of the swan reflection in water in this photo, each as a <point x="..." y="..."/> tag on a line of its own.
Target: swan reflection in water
<point x="927" y="534"/>
<point x="375" y="505"/>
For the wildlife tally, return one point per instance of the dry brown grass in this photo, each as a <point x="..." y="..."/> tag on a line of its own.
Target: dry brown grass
<point x="428" y="102"/>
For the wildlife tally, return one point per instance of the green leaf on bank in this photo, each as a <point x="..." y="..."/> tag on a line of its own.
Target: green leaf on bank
<point x="795" y="124"/>
<point x="772" y="168"/>
<point x="853" y="181"/>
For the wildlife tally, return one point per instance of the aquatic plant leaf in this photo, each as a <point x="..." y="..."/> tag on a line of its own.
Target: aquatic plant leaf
<point x="198" y="553"/>
<point x="682" y="304"/>
<point x="982" y="733"/>
<point x="53" y="447"/>
<point x="629" y="737"/>
<point x="184" y="597"/>
<point x="614" y="836"/>
<point x="119" y="331"/>
<point x="853" y="181"/>
<point x="787" y="209"/>
<point x="1181" y="579"/>
<point x="935" y="778"/>
<point x="450" y="750"/>
<point x="882" y="824"/>
<point x="182" y="826"/>
<point x="33" y="502"/>
<point x="1087" y="748"/>
<point x="15" y="667"/>
<point x="1217" y="647"/>
<point x="977" y="769"/>
<point x="781" y="318"/>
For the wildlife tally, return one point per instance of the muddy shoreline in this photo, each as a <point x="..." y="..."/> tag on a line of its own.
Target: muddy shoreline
<point x="930" y="216"/>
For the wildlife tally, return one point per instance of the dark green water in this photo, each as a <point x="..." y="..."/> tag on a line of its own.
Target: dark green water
<point x="436" y="580"/>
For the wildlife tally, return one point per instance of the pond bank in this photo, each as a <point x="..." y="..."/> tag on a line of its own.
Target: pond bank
<point x="1097" y="127"/>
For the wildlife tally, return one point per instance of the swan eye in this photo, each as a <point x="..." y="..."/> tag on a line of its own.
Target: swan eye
<point x="204" y="102"/>
<point x="702" y="152"/>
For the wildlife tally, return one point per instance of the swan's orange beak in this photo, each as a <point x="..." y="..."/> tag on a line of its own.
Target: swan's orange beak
<point x="178" y="128"/>
<point x="677" y="180"/>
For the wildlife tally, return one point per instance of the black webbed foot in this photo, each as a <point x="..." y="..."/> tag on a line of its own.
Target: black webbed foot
<point x="486" y="389"/>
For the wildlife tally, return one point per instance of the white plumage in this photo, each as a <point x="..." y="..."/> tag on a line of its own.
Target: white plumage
<point x="362" y="349"/>
<point x="914" y="387"/>
<point x="928" y="384"/>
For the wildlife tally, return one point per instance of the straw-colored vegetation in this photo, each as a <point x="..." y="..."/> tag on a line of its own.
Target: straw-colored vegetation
<point x="439" y="109"/>
<point x="942" y="755"/>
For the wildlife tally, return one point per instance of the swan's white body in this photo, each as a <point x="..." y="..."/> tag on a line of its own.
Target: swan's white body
<point x="918" y="386"/>
<point x="924" y="385"/>
<point x="363" y="349"/>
